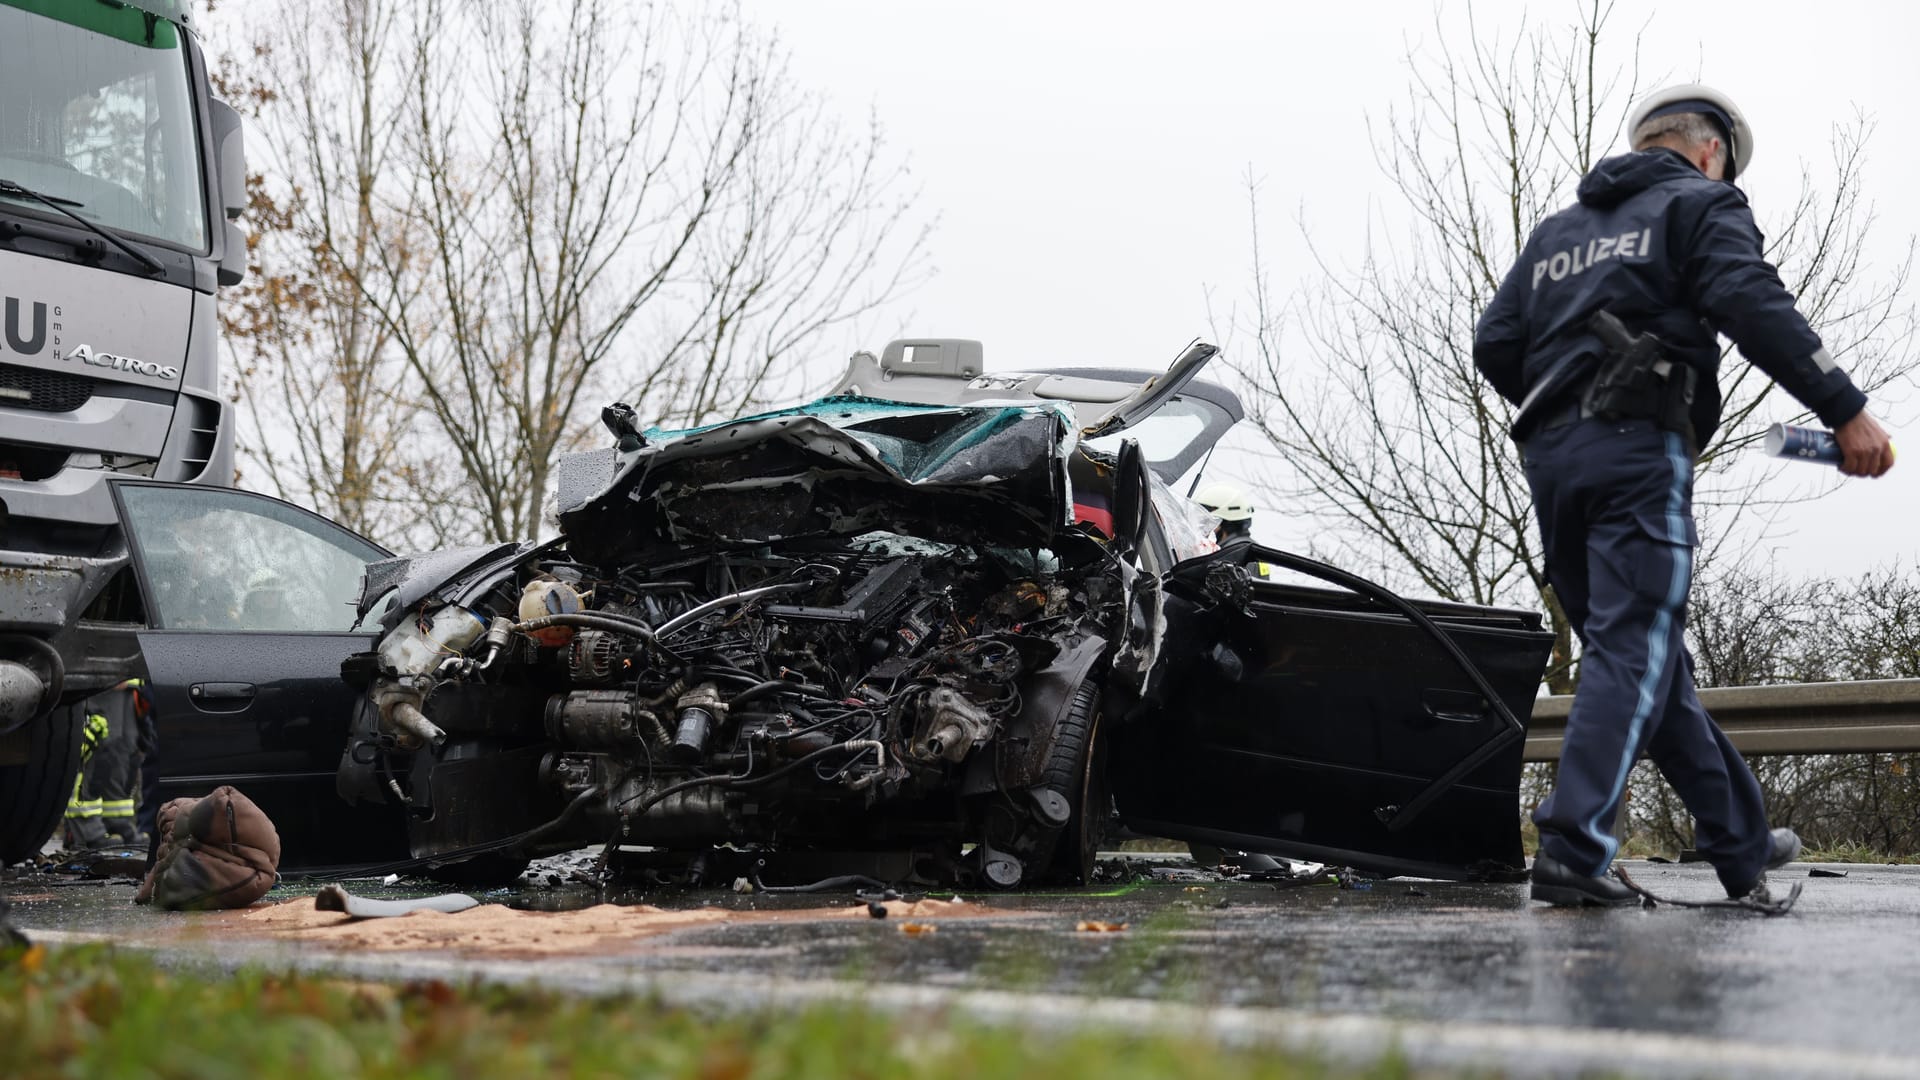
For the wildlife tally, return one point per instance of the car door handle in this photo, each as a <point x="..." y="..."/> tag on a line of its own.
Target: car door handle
<point x="1455" y="706"/>
<point x="221" y="691"/>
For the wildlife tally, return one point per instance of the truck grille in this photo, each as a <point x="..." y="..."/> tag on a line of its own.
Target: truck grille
<point x="42" y="391"/>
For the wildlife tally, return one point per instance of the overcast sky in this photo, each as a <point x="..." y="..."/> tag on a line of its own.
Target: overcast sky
<point x="1087" y="162"/>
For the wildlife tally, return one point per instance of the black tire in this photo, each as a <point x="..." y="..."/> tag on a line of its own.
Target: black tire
<point x="34" y="794"/>
<point x="1076" y="768"/>
<point x="482" y="871"/>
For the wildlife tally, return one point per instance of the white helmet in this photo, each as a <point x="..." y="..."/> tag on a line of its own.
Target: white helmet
<point x="1226" y="500"/>
<point x="1695" y="98"/>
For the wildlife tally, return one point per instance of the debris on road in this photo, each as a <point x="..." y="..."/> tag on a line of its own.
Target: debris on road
<point x="916" y="929"/>
<point x="101" y="864"/>
<point x="1095" y="926"/>
<point x="335" y="898"/>
<point x="1179" y="875"/>
<point x="1352" y="882"/>
<point x="1823" y="872"/>
<point x="217" y="852"/>
<point x="1760" y="902"/>
<point x="929" y="908"/>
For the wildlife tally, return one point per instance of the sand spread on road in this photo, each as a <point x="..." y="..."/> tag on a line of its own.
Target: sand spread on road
<point x="498" y="929"/>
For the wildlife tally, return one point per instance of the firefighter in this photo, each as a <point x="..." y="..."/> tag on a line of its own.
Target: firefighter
<point x="1230" y="503"/>
<point x="104" y="807"/>
<point x="1611" y="417"/>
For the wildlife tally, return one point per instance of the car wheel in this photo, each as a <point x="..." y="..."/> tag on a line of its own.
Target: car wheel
<point x="1078" y="769"/>
<point x="34" y="792"/>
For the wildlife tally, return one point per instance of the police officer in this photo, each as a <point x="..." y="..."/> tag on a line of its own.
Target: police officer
<point x="1612" y="415"/>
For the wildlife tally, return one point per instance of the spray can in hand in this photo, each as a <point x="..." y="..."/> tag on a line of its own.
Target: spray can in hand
<point x="1804" y="444"/>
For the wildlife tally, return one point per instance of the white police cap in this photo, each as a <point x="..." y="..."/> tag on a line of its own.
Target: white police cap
<point x="1696" y="98"/>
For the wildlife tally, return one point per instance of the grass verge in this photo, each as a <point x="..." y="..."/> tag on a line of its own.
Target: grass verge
<point x="1855" y="853"/>
<point x="94" y="1012"/>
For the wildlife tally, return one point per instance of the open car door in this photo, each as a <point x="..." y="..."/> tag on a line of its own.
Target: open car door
<point x="250" y="608"/>
<point x="1339" y="725"/>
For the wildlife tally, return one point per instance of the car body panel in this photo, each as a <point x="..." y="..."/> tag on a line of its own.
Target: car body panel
<point x="266" y="712"/>
<point x="1301" y="722"/>
<point x="1093" y="393"/>
<point x="242" y="696"/>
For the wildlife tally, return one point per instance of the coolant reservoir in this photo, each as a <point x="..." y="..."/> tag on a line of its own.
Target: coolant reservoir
<point x="415" y="646"/>
<point x="547" y="596"/>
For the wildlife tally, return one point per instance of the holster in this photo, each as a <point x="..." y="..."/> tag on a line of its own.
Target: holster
<point x="1637" y="380"/>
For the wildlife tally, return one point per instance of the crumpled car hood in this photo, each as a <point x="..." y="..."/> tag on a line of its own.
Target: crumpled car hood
<point x="841" y="466"/>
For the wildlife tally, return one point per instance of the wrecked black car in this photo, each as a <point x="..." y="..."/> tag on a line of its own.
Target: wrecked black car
<point x="953" y="619"/>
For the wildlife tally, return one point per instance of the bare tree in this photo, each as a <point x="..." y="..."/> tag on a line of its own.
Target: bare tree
<point x="1364" y="383"/>
<point x="323" y="392"/>
<point x="617" y="223"/>
<point x="538" y="208"/>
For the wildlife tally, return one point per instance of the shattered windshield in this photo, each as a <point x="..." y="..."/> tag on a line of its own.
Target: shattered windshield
<point x="96" y="113"/>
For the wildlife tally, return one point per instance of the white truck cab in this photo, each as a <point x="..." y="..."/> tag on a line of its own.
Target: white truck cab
<point x="120" y="179"/>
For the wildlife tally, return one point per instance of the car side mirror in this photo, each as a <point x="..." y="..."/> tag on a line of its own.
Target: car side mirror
<point x="1130" y="496"/>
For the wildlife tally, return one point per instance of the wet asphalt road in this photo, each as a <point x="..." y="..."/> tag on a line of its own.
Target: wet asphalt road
<point x="1841" y="976"/>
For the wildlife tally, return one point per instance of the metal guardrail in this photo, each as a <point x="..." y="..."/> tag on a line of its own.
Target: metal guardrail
<point x="1881" y="716"/>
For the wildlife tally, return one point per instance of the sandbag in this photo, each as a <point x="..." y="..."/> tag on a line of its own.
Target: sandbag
<point x="216" y="852"/>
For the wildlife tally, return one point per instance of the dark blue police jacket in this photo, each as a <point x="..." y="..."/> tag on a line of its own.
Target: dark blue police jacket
<point x="1668" y="251"/>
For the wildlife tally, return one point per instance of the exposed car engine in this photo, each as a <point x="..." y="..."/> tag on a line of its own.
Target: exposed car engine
<point x="774" y="695"/>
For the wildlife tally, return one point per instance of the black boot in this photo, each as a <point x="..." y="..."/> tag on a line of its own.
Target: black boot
<point x="1785" y="848"/>
<point x="1561" y="887"/>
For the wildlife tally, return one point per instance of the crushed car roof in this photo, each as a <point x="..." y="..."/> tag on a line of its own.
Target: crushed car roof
<point x="989" y="472"/>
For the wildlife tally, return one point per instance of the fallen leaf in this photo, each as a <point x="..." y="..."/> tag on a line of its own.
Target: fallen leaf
<point x="432" y="991"/>
<point x="1093" y="926"/>
<point x="726" y="1063"/>
<point x="915" y="929"/>
<point x="1196" y="888"/>
<point x="33" y="959"/>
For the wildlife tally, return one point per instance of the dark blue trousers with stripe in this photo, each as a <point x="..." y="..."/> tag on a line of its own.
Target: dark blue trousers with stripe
<point x="1615" y="504"/>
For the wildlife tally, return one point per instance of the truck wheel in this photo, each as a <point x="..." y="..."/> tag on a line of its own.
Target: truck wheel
<point x="1078" y="769"/>
<point x="34" y="793"/>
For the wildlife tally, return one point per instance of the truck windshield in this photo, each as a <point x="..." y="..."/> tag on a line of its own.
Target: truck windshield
<point x="96" y="111"/>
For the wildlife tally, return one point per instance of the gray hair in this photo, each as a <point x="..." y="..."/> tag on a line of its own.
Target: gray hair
<point x="1688" y="129"/>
